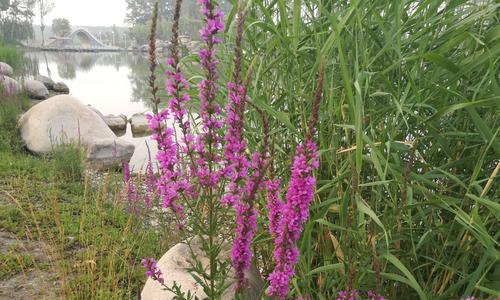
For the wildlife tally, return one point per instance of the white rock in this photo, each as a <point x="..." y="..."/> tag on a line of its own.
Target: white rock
<point x="49" y="83"/>
<point x="115" y="122"/>
<point x="96" y="111"/>
<point x="139" y="124"/>
<point x="174" y="265"/>
<point x="61" y="87"/>
<point x="10" y="86"/>
<point x="64" y="119"/>
<point x="35" y="89"/>
<point x="6" y="69"/>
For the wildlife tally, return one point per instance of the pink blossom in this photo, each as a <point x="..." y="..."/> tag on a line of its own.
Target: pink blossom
<point x="295" y="213"/>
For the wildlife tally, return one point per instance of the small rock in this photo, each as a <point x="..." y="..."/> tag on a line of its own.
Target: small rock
<point x="35" y="89"/>
<point x="115" y="122"/>
<point x="140" y="124"/>
<point x="61" y="87"/>
<point x="10" y="86"/>
<point x="175" y="264"/>
<point x="106" y="153"/>
<point x="49" y="83"/>
<point x="6" y="69"/>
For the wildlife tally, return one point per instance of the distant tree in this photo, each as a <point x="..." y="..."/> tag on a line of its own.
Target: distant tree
<point x="4" y="5"/>
<point x="16" y="18"/>
<point x="61" y="27"/>
<point x="139" y="11"/>
<point x="139" y="15"/>
<point x="44" y="8"/>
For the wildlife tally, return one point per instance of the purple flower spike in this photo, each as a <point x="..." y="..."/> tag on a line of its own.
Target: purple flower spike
<point x="130" y="192"/>
<point x="171" y="183"/>
<point x="246" y="222"/>
<point x="274" y="204"/>
<point x="374" y="296"/>
<point x="151" y="186"/>
<point x="152" y="270"/>
<point x="348" y="295"/>
<point x="295" y="213"/>
<point x="210" y="110"/>
<point x="235" y="146"/>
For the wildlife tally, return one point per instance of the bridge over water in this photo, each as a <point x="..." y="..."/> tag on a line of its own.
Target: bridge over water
<point x="78" y="40"/>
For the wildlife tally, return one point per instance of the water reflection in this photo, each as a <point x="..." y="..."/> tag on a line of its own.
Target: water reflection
<point x="114" y="83"/>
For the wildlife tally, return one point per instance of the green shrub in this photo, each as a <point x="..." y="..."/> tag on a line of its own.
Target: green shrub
<point x="12" y="263"/>
<point x="11" y="55"/>
<point x="68" y="162"/>
<point x="10" y="109"/>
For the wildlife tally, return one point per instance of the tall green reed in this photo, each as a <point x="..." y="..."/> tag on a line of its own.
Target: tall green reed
<point x="407" y="200"/>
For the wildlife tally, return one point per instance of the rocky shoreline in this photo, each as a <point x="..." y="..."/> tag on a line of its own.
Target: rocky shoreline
<point x="56" y="118"/>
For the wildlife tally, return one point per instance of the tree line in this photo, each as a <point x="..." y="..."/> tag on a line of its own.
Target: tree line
<point x="139" y="15"/>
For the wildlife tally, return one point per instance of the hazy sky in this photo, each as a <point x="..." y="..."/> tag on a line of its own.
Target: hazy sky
<point x="88" y="12"/>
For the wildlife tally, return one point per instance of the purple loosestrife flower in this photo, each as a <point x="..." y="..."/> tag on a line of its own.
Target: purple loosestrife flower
<point x="295" y="211"/>
<point x="152" y="270"/>
<point x="295" y="214"/>
<point x="246" y="224"/>
<point x="209" y="141"/>
<point x="171" y="183"/>
<point x="176" y="89"/>
<point x="151" y="185"/>
<point x="374" y="296"/>
<point x="274" y="204"/>
<point x="348" y="295"/>
<point x="234" y="148"/>
<point x="246" y="221"/>
<point x="130" y="193"/>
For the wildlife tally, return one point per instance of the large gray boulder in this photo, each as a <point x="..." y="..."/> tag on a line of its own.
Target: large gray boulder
<point x="49" y="83"/>
<point x="63" y="119"/>
<point x="61" y="87"/>
<point x="35" y="89"/>
<point x="139" y="124"/>
<point x="178" y="259"/>
<point x="115" y="122"/>
<point x="6" y="69"/>
<point x="10" y="86"/>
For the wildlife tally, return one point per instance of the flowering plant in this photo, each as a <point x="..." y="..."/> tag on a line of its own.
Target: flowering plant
<point x="206" y="168"/>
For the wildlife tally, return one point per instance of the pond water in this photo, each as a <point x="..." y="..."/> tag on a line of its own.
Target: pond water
<point x="113" y="83"/>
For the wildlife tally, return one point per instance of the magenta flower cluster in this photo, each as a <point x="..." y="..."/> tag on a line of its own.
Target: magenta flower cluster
<point x="170" y="184"/>
<point x="151" y="186"/>
<point x="292" y="215"/>
<point x="130" y="192"/>
<point x="152" y="270"/>
<point x="176" y="180"/>
<point x="246" y="221"/>
<point x="348" y="295"/>
<point x="173" y="180"/>
<point x="209" y="141"/>
<point x="235" y="145"/>
<point x="371" y="295"/>
<point x="274" y="205"/>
